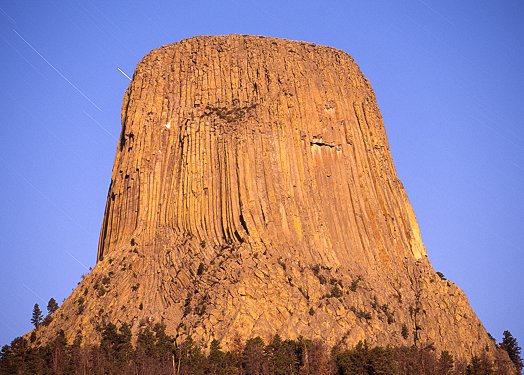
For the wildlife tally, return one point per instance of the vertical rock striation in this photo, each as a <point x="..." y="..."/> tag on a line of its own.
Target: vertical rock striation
<point x="254" y="193"/>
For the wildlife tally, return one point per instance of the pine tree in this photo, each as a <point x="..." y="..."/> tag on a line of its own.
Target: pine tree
<point x="480" y="366"/>
<point x="511" y="346"/>
<point x="37" y="317"/>
<point x="52" y="306"/>
<point x="253" y="356"/>
<point x="445" y="362"/>
<point x="163" y="342"/>
<point x="215" y="360"/>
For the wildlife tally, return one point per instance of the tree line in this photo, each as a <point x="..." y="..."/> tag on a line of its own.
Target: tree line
<point x="155" y="352"/>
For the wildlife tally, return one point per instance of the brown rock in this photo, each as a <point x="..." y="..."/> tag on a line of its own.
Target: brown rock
<point x="254" y="193"/>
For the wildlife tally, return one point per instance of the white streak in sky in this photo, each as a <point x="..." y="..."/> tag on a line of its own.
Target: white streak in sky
<point x="120" y="70"/>
<point x="52" y="203"/>
<point x="35" y="293"/>
<point x="23" y="58"/>
<point x="518" y="166"/>
<point x="59" y="73"/>
<point x="101" y="126"/>
<point x="8" y="16"/>
<point x="75" y="258"/>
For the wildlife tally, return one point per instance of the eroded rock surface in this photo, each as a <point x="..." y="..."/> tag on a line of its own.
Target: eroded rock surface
<point x="254" y="193"/>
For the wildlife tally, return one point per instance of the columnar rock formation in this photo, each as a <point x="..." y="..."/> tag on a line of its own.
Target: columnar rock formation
<point x="253" y="193"/>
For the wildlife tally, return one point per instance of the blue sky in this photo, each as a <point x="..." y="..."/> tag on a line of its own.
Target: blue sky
<point x="449" y="80"/>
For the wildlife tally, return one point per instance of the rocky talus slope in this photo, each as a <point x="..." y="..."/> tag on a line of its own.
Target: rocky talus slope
<point x="254" y="193"/>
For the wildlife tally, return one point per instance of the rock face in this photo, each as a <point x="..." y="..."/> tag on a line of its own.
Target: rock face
<point x="253" y="193"/>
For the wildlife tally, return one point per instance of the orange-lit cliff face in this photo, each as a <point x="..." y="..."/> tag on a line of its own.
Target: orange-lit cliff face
<point x="251" y="140"/>
<point x="254" y="193"/>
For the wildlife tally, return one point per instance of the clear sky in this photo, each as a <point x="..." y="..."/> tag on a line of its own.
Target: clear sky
<point x="449" y="81"/>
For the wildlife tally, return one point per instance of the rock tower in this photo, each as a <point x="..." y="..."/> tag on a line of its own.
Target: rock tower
<point x="254" y="193"/>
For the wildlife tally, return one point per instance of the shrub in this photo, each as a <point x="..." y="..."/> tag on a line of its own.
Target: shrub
<point x="354" y="284"/>
<point x="200" y="269"/>
<point x="404" y="331"/>
<point x="336" y="292"/>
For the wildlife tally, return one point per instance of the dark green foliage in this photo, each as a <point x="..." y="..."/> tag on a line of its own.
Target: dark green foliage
<point x="336" y="292"/>
<point x="511" y="346"/>
<point x="405" y="332"/>
<point x="191" y="360"/>
<point x="361" y="314"/>
<point x="389" y="314"/>
<point x="14" y="358"/>
<point x="200" y="269"/>
<point x="80" y="301"/>
<point x="354" y="284"/>
<point x="480" y="366"/>
<point x="317" y="268"/>
<point x="285" y="356"/>
<point x="101" y="291"/>
<point x="154" y="348"/>
<point x="374" y="303"/>
<point x="37" y="316"/>
<point x="116" y="344"/>
<point x="445" y="363"/>
<point x="253" y="356"/>
<point x="219" y="362"/>
<point x="59" y="350"/>
<point x="164" y="344"/>
<point x="413" y="360"/>
<point x="156" y="353"/>
<point x="146" y="341"/>
<point x="362" y="360"/>
<point x="52" y="306"/>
